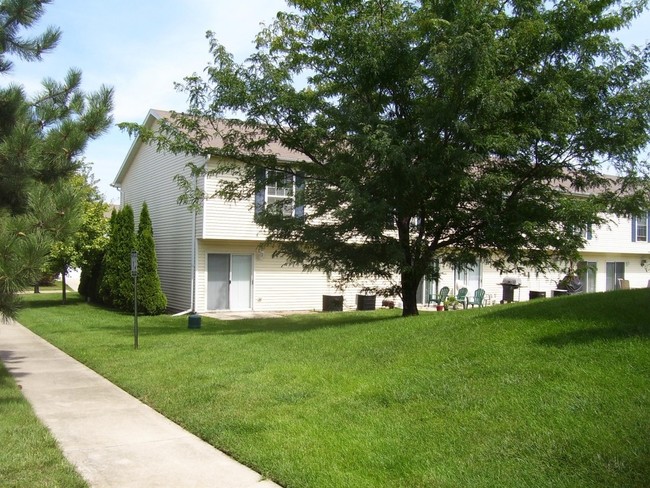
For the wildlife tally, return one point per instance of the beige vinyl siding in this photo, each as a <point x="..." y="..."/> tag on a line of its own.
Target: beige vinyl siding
<point x="229" y="220"/>
<point x="616" y="238"/>
<point x="150" y="178"/>
<point x="275" y="287"/>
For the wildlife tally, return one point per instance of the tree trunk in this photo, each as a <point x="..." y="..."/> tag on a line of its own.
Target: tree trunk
<point x="410" y="295"/>
<point x="63" y="286"/>
<point x="37" y="288"/>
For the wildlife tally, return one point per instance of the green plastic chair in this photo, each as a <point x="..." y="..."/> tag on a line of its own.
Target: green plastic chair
<point x="461" y="296"/>
<point x="442" y="296"/>
<point x="479" y="294"/>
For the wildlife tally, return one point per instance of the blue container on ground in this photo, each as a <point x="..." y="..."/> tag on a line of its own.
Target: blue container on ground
<point x="194" y="321"/>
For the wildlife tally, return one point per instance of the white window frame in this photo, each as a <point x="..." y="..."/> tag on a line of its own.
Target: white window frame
<point x="641" y="229"/>
<point x="275" y="192"/>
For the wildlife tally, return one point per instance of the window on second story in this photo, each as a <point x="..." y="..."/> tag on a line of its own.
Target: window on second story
<point x="279" y="193"/>
<point x="640" y="228"/>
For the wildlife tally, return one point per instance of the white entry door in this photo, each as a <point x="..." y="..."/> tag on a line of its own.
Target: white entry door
<point x="229" y="281"/>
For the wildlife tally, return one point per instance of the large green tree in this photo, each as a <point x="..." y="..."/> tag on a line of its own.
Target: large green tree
<point x="42" y="138"/>
<point x="453" y="130"/>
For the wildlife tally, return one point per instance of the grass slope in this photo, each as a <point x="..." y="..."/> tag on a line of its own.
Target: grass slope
<point x="550" y="393"/>
<point x="30" y="457"/>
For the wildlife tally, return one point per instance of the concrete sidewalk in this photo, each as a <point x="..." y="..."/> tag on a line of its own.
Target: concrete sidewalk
<point x="113" y="439"/>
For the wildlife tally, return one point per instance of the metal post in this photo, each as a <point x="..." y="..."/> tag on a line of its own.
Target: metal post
<point x="134" y="272"/>
<point x="135" y="311"/>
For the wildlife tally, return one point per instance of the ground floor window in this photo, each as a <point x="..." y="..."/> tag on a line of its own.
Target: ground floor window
<point x="614" y="271"/>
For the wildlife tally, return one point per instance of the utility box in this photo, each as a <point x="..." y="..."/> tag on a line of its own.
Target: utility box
<point x="366" y="302"/>
<point x="332" y="303"/>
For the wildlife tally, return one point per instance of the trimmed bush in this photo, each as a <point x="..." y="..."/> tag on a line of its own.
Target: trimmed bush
<point x="151" y="299"/>
<point x="116" y="287"/>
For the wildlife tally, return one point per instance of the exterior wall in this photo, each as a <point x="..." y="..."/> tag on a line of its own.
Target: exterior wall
<point x="616" y="238"/>
<point x="275" y="287"/>
<point x="150" y="179"/>
<point x="228" y="220"/>
<point x="637" y="274"/>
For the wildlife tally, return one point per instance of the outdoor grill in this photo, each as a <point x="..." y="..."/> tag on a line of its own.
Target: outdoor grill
<point x="509" y="284"/>
<point x="571" y="283"/>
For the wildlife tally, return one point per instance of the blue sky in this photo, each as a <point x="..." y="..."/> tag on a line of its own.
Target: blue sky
<point x="141" y="47"/>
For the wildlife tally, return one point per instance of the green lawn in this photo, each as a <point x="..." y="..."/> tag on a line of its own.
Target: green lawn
<point x="29" y="456"/>
<point x="551" y="393"/>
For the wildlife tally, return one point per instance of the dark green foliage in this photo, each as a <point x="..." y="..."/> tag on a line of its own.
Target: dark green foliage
<point x="151" y="299"/>
<point x="91" y="242"/>
<point x="91" y="277"/>
<point x="23" y="251"/>
<point x="58" y="209"/>
<point x="46" y="135"/>
<point x="116" y="287"/>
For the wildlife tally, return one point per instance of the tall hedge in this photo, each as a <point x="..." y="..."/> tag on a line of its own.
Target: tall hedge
<point x="91" y="277"/>
<point x="116" y="288"/>
<point x="151" y="299"/>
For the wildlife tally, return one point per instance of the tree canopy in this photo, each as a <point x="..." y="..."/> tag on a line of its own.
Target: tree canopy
<point x="450" y="130"/>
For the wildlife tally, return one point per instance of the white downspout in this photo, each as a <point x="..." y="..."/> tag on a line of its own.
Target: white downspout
<point x="192" y="309"/>
<point x="194" y="252"/>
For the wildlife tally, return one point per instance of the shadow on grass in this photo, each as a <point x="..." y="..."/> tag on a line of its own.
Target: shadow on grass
<point x="615" y="315"/>
<point x="587" y="336"/>
<point x="281" y="325"/>
<point x="49" y="300"/>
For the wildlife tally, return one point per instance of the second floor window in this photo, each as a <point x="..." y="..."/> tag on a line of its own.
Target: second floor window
<point x="279" y="193"/>
<point x="640" y="228"/>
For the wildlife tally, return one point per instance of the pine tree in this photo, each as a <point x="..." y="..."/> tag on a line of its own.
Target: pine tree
<point x="41" y="142"/>
<point x="151" y="299"/>
<point x="117" y="283"/>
